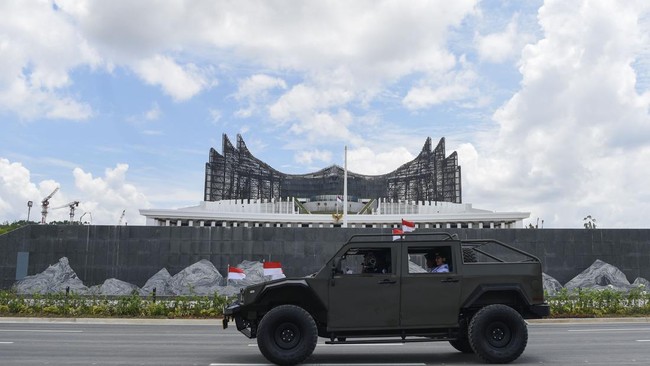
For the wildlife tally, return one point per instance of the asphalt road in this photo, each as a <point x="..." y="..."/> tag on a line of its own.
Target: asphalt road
<point x="133" y="342"/>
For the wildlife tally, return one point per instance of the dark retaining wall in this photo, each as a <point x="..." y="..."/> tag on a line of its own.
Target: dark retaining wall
<point x="134" y="253"/>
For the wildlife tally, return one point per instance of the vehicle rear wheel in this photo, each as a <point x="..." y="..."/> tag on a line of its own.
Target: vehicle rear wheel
<point x="498" y="334"/>
<point x="287" y="335"/>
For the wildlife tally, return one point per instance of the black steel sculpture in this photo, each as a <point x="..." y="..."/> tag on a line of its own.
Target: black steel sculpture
<point x="237" y="174"/>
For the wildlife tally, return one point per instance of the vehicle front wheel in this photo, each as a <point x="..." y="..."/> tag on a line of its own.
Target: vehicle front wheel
<point x="498" y="334"/>
<point x="287" y="335"/>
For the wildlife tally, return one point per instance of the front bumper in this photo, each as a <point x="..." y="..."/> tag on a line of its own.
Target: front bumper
<point x="233" y="312"/>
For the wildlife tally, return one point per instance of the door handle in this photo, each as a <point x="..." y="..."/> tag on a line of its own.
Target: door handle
<point x="449" y="279"/>
<point x="387" y="282"/>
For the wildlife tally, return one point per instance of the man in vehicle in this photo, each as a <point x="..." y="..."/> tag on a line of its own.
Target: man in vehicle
<point x="436" y="263"/>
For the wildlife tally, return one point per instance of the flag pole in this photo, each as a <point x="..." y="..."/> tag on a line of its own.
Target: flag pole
<point x="345" y="188"/>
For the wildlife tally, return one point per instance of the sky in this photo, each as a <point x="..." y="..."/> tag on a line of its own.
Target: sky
<point x="118" y="102"/>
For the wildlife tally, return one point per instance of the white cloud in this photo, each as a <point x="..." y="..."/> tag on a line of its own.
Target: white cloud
<point x="364" y="160"/>
<point x="502" y="46"/>
<point x="103" y="197"/>
<point x="258" y="84"/>
<point x="308" y="157"/>
<point x="254" y="90"/>
<point x="179" y="82"/>
<point x="442" y="88"/>
<point x="38" y="47"/>
<point x="15" y="190"/>
<point x="573" y="139"/>
<point x="108" y="196"/>
<point x="154" y="113"/>
<point x="215" y="115"/>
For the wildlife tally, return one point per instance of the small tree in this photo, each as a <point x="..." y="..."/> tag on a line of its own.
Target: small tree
<point x="590" y="222"/>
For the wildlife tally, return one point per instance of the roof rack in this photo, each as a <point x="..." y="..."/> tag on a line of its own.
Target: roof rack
<point x="437" y="236"/>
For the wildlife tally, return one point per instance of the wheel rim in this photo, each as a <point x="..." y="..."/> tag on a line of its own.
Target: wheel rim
<point x="498" y="334"/>
<point x="287" y="335"/>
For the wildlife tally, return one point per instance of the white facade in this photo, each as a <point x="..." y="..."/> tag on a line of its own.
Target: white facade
<point x="286" y="213"/>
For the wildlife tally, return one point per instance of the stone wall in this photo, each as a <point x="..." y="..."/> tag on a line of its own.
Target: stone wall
<point x="135" y="253"/>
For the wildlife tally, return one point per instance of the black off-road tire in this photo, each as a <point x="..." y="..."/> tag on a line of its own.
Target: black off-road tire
<point x="498" y="334"/>
<point x="287" y="335"/>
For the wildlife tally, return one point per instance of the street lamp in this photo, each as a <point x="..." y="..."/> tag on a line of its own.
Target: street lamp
<point x="29" y="208"/>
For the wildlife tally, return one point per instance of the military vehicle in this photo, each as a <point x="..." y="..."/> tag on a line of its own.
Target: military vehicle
<point x="379" y="290"/>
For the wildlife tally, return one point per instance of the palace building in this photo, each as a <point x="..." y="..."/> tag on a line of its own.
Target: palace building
<point x="242" y="190"/>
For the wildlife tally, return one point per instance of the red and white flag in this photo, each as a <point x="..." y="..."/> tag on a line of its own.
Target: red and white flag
<point x="339" y="198"/>
<point x="273" y="269"/>
<point x="397" y="234"/>
<point x="408" y="226"/>
<point x="235" y="273"/>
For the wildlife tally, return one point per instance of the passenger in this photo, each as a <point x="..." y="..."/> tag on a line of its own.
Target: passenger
<point x="375" y="263"/>
<point x="436" y="263"/>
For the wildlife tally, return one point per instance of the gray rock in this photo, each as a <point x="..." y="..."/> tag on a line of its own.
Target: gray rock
<point x="228" y="290"/>
<point x="55" y="279"/>
<point x="640" y="281"/>
<point x="159" y="281"/>
<point x="201" y="278"/>
<point x="114" y="287"/>
<point x="551" y="285"/>
<point x="254" y="272"/>
<point x="600" y="275"/>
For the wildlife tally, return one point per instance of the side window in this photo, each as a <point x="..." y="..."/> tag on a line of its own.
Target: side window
<point x="366" y="260"/>
<point x="434" y="259"/>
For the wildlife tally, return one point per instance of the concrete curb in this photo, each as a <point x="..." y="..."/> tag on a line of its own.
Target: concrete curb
<point x="217" y="322"/>
<point x="135" y="321"/>
<point x="589" y="320"/>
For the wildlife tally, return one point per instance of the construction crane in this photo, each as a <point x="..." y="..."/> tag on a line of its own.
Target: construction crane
<point x="46" y="202"/>
<point x="121" y="218"/>
<point x="72" y="205"/>
<point x="84" y="214"/>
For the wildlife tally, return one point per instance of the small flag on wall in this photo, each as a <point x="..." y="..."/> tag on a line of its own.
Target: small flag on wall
<point x="397" y="234"/>
<point x="408" y="226"/>
<point x="339" y="198"/>
<point x="235" y="273"/>
<point x="273" y="269"/>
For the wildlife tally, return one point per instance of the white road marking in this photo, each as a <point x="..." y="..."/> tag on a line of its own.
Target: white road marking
<point x="610" y="330"/>
<point x="320" y="364"/>
<point x="42" y="330"/>
<point x="348" y="345"/>
<point x="6" y="342"/>
<point x="643" y="340"/>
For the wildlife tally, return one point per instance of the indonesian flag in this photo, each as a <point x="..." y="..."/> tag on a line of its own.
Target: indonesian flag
<point x="273" y="269"/>
<point x="397" y="234"/>
<point x="235" y="273"/>
<point x="408" y="226"/>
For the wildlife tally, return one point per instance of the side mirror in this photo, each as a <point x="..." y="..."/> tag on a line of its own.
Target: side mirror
<point x="336" y="266"/>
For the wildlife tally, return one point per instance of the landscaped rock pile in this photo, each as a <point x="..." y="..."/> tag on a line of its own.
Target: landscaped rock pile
<point x="600" y="275"/>
<point x="202" y="278"/>
<point x="56" y="278"/>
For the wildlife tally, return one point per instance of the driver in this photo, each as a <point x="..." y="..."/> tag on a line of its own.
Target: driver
<point x="374" y="263"/>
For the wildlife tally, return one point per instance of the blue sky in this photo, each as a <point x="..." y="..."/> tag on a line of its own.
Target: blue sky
<point x="118" y="103"/>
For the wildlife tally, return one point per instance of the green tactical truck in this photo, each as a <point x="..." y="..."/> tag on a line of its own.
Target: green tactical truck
<point x="475" y="294"/>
